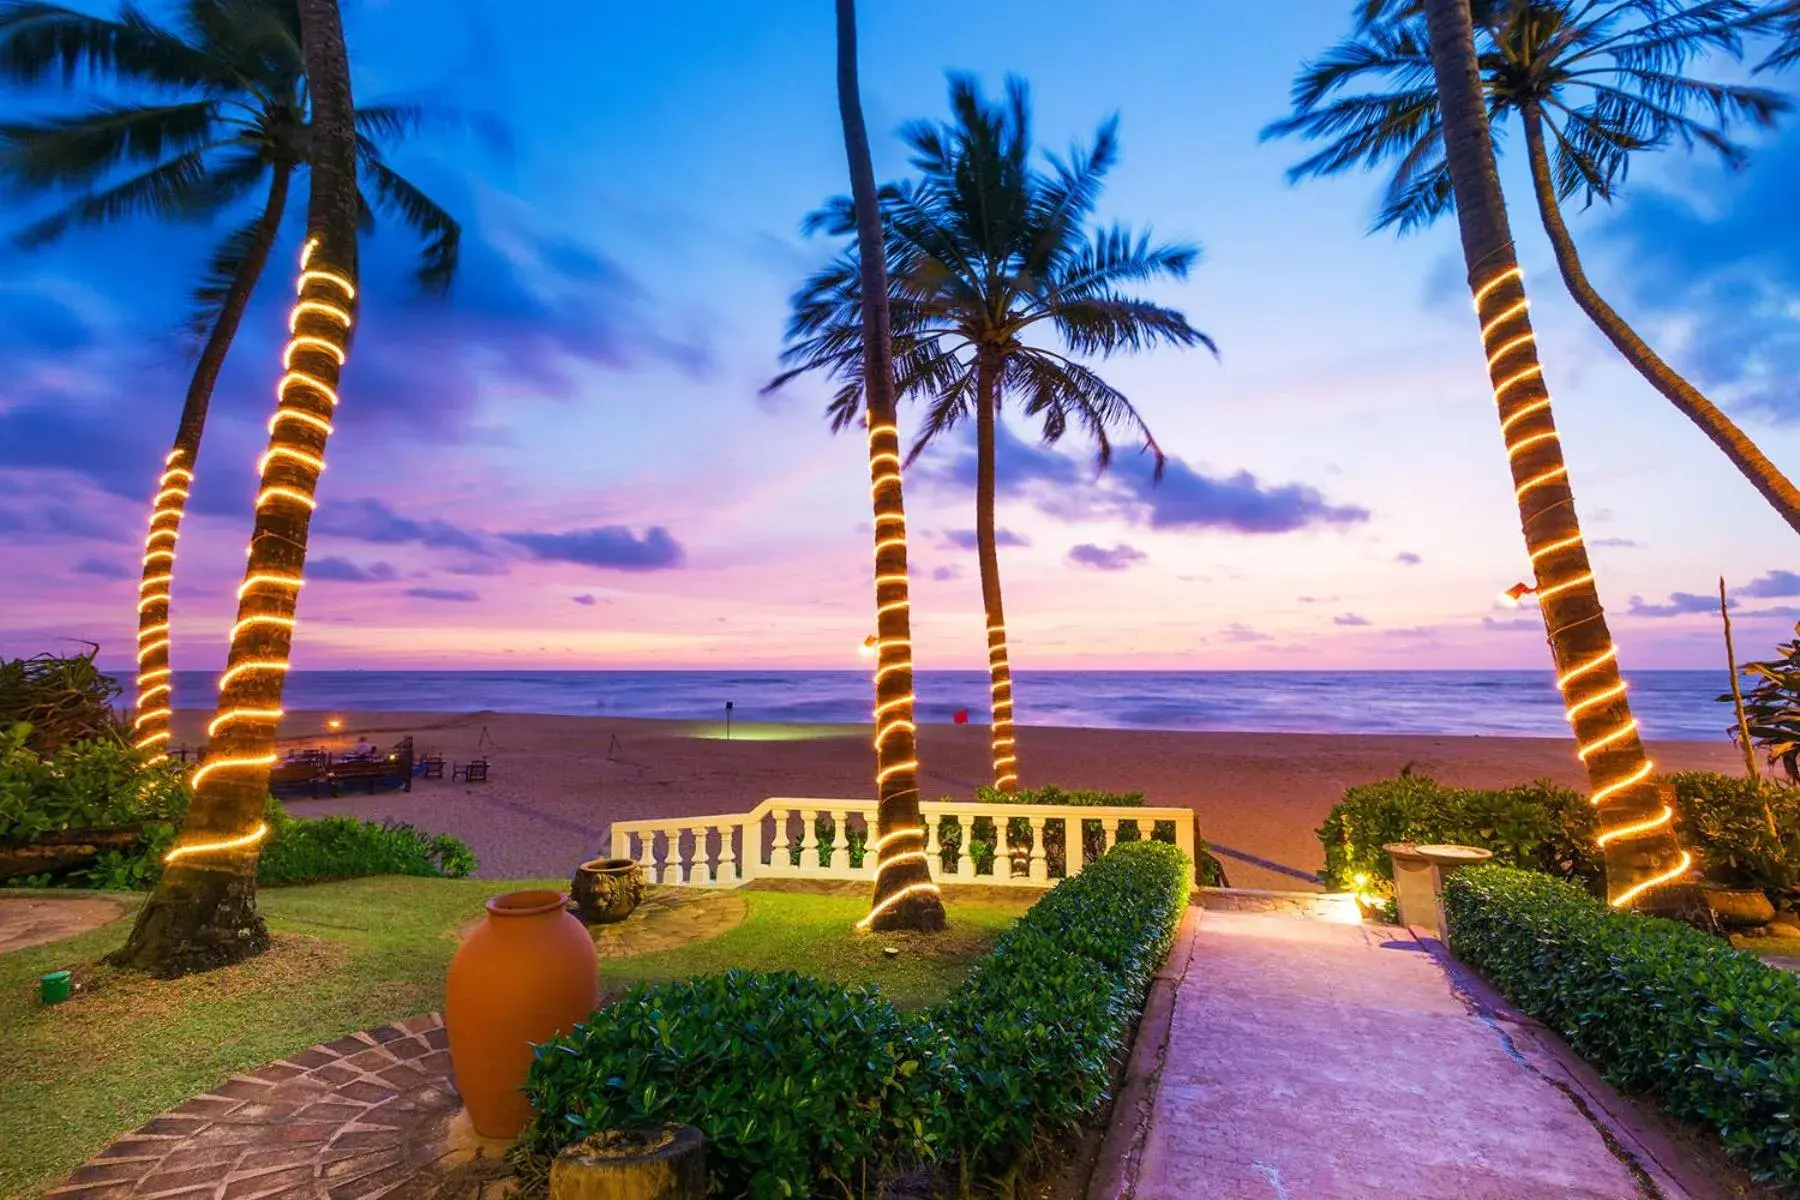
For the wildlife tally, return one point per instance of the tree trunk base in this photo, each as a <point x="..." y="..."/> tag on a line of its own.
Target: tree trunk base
<point x="921" y="912"/>
<point x="1681" y="901"/>
<point x="659" y="1164"/>
<point x="197" y="920"/>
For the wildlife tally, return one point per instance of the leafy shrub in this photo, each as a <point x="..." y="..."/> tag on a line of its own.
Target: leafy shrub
<point x="1032" y="1031"/>
<point x="64" y="698"/>
<point x="801" y="1085"/>
<point x="1538" y="825"/>
<point x="1772" y="706"/>
<point x="1724" y="820"/>
<point x="796" y="1083"/>
<point x="317" y="849"/>
<point x="1658" y="1006"/>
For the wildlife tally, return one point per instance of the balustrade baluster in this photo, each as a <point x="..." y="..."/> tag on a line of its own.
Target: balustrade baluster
<point x="1108" y="834"/>
<point x="809" y="841"/>
<point x="934" y="851"/>
<point x="728" y="863"/>
<point x="780" y="861"/>
<point x="1074" y="846"/>
<point x="702" y="873"/>
<point x="840" y="842"/>
<point x="647" y="854"/>
<point x="1037" y="867"/>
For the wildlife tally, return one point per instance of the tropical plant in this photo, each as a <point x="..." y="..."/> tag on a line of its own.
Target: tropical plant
<point x="231" y="117"/>
<point x="1592" y="84"/>
<point x="1641" y="854"/>
<point x="985" y="252"/>
<point x="1772" y="706"/>
<point x="63" y="698"/>
<point x="203" y="912"/>
<point x="1784" y="22"/>
<point x="905" y="897"/>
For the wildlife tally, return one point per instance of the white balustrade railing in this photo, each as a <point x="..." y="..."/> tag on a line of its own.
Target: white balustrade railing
<point x="793" y="838"/>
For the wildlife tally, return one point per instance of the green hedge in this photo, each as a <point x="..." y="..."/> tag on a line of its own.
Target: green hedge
<point x="1658" y="1006"/>
<point x="1539" y="825"/>
<point x="803" y="1087"/>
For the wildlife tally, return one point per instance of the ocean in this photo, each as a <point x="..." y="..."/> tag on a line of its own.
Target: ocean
<point x="1669" y="704"/>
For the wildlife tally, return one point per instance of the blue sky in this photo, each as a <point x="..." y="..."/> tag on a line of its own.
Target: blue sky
<point x="568" y="463"/>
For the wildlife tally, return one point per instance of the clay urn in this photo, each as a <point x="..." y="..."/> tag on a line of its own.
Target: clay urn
<point x="607" y="889"/>
<point x="525" y="974"/>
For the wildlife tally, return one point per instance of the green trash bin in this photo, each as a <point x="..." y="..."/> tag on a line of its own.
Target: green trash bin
<point x="55" y="987"/>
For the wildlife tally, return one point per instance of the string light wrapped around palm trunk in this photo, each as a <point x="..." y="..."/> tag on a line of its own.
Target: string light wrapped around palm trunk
<point x="250" y="689"/>
<point x="1006" y="761"/>
<point x="150" y="725"/>
<point x="894" y="717"/>
<point x="1594" y="694"/>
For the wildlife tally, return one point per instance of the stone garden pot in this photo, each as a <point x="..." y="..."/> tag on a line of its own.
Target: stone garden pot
<point x="528" y="972"/>
<point x="1739" y="908"/>
<point x="607" y="889"/>
<point x="646" y="1164"/>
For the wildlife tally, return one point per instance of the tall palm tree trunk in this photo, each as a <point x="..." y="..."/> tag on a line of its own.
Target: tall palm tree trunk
<point x="203" y="912"/>
<point x="1750" y="461"/>
<point x="987" y="405"/>
<point x="150" y="727"/>
<point x="1637" y="836"/>
<point x="905" y="897"/>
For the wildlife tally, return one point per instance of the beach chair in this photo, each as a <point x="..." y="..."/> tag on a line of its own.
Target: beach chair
<point x="433" y="765"/>
<point x="475" y="771"/>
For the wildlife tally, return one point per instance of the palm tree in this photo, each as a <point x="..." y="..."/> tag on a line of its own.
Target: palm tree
<point x="1637" y="839"/>
<point x="905" y="897"/>
<point x="203" y="912"/>
<point x="231" y="120"/>
<point x="985" y="251"/>
<point x="1591" y="84"/>
<point x="1784" y="22"/>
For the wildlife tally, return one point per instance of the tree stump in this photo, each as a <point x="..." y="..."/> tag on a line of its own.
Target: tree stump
<point x="632" y="1164"/>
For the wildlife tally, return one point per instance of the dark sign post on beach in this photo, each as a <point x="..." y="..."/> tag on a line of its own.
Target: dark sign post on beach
<point x="728" y="720"/>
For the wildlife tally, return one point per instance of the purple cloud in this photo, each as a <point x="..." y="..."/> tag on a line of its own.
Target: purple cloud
<point x="1775" y="585"/>
<point x="1512" y="623"/>
<point x="944" y="573"/>
<point x="102" y="568"/>
<point x="586" y="600"/>
<point x="1409" y="558"/>
<point x="964" y="539"/>
<point x="373" y="521"/>
<point x="612" y="547"/>
<point x="1679" y="604"/>
<point x="1349" y="619"/>
<point x="1622" y="543"/>
<point x="1100" y="558"/>
<point x="451" y="595"/>
<point x="1243" y="633"/>
<point x="342" y="570"/>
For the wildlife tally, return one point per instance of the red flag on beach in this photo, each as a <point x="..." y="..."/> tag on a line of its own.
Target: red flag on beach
<point x="961" y="717"/>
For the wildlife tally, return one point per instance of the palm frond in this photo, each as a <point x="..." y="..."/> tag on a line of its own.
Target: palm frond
<point x="78" y="151"/>
<point x="37" y="40"/>
<point x="167" y="190"/>
<point x="223" y="267"/>
<point x="394" y="195"/>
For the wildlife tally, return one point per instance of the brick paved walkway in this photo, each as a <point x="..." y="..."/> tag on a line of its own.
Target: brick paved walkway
<point x="366" y="1116"/>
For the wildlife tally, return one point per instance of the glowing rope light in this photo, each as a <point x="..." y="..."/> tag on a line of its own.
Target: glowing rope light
<point x="295" y="382"/>
<point x="237" y="843"/>
<point x="894" y="655"/>
<point x="1574" y="706"/>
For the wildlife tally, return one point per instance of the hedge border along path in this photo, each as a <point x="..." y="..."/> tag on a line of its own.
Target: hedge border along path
<point x="365" y="1116"/>
<point x="1656" y="1006"/>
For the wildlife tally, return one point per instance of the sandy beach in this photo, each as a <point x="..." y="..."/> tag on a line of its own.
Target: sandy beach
<point x="558" y="782"/>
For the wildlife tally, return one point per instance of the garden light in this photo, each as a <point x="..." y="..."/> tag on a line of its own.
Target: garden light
<point x="1592" y="690"/>
<point x="237" y="843"/>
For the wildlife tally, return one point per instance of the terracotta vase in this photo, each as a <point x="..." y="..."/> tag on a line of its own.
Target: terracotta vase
<point x="527" y="973"/>
<point x="607" y="889"/>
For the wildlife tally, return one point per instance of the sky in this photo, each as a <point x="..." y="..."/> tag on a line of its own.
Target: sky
<point x="568" y="463"/>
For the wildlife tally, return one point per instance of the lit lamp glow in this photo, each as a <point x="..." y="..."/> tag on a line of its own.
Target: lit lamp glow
<point x="1585" y="686"/>
<point x="897" y="847"/>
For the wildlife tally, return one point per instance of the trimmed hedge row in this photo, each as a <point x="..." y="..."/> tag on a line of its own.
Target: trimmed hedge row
<point x="802" y="1086"/>
<point x="1657" y="1006"/>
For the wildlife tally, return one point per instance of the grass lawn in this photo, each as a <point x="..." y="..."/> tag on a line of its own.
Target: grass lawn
<point x="351" y="956"/>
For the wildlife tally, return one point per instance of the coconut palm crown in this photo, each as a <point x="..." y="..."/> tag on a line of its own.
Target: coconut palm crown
<point x="997" y="288"/>
<point x="1592" y="84"/>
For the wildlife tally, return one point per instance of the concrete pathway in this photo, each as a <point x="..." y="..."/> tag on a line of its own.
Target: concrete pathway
<point x="34" y="920"/>
<point x="1311" y="1059"/>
